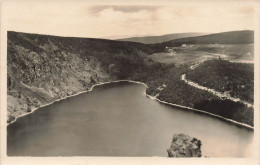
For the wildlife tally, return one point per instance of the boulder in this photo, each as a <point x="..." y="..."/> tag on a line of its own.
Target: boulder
<point x="184" y="146"/>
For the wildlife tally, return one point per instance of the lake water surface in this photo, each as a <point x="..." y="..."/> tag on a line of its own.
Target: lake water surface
<point x="117" y="119"/>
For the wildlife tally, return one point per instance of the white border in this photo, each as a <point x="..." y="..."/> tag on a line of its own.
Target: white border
<point x="140" y="160"/>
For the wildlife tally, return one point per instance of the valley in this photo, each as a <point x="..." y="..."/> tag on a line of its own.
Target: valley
<point x="42" y="69"/>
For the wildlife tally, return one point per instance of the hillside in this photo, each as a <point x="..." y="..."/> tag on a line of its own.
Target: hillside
<point x="236" y="79"/>
<point x="43" y="68"/>
<point x="233" y="37"/>
<point x="159" y="39"/>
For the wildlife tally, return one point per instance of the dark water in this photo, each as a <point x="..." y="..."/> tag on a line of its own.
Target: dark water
<point x="119" y="120"/>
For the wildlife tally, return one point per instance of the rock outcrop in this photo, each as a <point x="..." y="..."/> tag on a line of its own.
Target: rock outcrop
<point x="184" y="146"/>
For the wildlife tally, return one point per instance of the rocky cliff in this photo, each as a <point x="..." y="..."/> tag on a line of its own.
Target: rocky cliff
<point x="184" y="146"/>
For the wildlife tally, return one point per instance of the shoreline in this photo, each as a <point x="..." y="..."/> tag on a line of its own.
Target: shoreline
<point x="201" y="111"/>
<point x="63" y="98"/>
<point x="149" y="96"/>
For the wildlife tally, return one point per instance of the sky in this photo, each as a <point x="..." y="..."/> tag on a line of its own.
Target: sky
<point x="81" y="19"/>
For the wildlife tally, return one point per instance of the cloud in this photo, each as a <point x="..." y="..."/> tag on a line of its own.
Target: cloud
<point x="96" y="10"/>
<point x="84" y="20"/>
<point x="132" y="8"/>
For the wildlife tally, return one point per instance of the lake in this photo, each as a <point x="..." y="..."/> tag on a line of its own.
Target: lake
<point x="117" y="119"/>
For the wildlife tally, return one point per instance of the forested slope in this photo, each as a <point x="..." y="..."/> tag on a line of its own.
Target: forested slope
<point x="42" y="68"/>
<point x="236" y="79"/>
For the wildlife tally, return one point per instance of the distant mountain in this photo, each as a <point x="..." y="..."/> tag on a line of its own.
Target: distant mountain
<point x="233" y="37"/>
<point x="118" y="37"/>
<point x="159" y="39"/>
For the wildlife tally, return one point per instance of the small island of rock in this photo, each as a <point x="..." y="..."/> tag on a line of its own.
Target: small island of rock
<point x="184" y="146"/>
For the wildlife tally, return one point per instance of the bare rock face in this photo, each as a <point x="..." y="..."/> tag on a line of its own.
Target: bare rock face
<point x="184" y="146"/>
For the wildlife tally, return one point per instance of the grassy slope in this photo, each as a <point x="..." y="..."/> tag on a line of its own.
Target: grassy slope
<point x="233" y="51"/>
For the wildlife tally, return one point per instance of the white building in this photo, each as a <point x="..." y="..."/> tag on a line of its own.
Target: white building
<point x="184" y="45"/>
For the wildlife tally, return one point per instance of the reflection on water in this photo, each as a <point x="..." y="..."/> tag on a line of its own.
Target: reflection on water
<point x="118" y="120"/>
